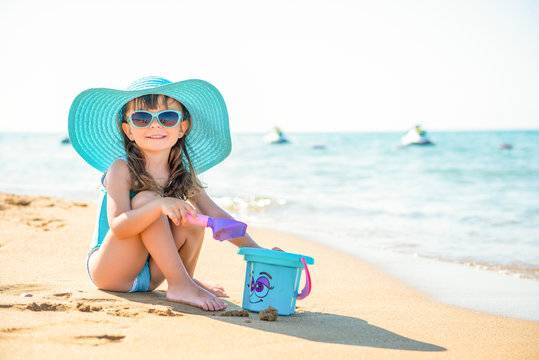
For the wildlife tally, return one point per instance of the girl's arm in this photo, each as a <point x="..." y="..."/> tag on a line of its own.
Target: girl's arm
<point x="123" y="221"/>
<point x="205" y="205"/>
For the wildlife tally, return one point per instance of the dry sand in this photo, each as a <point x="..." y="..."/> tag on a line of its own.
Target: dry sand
<point x="354" y="311"/>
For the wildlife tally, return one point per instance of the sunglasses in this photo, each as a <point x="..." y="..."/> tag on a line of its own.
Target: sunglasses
<point x="166" y="118"/>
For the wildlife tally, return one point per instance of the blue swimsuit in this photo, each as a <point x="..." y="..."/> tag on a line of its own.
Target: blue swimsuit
<point x="142" y="281"/>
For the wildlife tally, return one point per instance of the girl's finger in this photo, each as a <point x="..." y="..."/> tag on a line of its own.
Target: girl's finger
<point x="183" y="215"/>
<point x="192" y="211"/>
<point x="178" y="216"/>
<point x="173" y="216"/>
<point x="174" y="219"/>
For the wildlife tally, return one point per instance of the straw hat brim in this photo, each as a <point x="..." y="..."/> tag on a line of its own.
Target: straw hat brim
<point x="95" y="135"/>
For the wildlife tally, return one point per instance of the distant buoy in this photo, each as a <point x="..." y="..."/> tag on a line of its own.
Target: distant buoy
<point x="319" y="147"/>
<point x="505" y="146"/>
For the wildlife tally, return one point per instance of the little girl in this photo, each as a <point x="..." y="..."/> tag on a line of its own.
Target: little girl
<point x="151" y="141"/>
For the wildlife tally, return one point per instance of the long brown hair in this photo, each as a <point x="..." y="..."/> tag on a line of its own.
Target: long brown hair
<point x="182" y="183"/>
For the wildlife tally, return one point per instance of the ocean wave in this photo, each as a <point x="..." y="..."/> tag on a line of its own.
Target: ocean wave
<point x="250" y="203"/>
<point x="512" y="270"/>
<point x="523" y="271"/>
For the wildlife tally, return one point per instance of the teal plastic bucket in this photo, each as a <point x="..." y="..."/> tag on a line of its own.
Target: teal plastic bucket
<point x="272" y="279"/>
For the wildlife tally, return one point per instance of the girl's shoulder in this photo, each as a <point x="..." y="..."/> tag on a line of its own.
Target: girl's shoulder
<point x="119" y="165"/>
<point x="118" y="170"/>
<point x="121" y="160"/>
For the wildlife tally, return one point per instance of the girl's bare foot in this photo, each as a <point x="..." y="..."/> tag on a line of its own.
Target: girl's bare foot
<point x="194" y="295"/>
<point x="214" y="288"/>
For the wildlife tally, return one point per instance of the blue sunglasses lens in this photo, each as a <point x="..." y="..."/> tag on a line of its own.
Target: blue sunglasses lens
<point x="141" y="119"/>
<point x="169" y="118"/>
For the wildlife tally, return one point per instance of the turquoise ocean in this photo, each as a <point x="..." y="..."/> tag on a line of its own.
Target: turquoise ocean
<point x="462" y="201"/>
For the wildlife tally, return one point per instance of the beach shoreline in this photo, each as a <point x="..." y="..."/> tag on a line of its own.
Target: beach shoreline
<point x="355" y="310"/>
<point x="451" y="283"/>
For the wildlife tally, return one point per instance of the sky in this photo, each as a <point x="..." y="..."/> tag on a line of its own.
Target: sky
<point x="305" y="66"/>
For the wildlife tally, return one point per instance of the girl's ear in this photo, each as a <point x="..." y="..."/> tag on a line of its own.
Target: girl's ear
<point x="127" y="130"/>
<point x="184" y="125"/>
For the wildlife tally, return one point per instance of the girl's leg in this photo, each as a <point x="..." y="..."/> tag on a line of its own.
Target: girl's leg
<point x="188" y="239"/>
<point x="191" y="238"/>
<point x="189" y="252"/>
<point x="159" y="241"/>
<point x="117" y="263"/>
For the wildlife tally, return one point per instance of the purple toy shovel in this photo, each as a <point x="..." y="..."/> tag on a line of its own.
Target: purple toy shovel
<point x="223" y="229"/>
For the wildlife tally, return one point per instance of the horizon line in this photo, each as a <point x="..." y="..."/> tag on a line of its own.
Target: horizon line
<point x="311" y="132"/>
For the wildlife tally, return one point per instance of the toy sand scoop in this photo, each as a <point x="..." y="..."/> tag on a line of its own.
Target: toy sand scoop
<point x="223" y="229"/>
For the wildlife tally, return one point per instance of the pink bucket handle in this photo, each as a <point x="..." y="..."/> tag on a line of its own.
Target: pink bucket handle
<point x="307" y="289"/>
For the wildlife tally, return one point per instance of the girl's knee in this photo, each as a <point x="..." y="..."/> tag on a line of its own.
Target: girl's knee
<point x="142" y="198"/>
<point x="196" y="234"/>
<point x="188" y="234"/>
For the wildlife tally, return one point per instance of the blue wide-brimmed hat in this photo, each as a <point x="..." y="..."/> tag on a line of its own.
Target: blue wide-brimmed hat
<point x="95" y="135"/>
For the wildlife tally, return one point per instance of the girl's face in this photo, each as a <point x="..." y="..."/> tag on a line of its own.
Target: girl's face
<point x="155" y="138"/>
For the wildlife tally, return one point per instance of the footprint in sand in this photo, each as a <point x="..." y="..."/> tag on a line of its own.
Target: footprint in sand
<point x="44" y="307"/>
<point x="97" y="340"/>
<point x="64" y="295"/>
<point x="123" y="313"/>
<point x="13" y="330"/>
<point x="88" y="308"/>
<point x="20" y="202"/>
<point x="45" y="225"/>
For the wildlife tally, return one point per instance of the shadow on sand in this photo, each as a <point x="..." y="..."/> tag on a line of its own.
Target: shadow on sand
<point x="337" y="329"/>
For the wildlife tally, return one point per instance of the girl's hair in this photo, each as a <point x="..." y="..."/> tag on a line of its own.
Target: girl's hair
<point x="183" y="183"/>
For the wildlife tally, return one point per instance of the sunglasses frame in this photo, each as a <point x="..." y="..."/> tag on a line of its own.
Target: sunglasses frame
<point x="156" y="116"/>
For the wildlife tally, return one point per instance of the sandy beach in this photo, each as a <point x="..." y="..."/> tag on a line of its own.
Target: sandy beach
<point x="355" y="310"/>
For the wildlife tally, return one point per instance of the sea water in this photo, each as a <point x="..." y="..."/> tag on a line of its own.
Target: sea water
<point x="464" y="201"/>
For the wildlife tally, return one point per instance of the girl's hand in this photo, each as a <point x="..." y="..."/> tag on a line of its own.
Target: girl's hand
<point x="177" y="210"/>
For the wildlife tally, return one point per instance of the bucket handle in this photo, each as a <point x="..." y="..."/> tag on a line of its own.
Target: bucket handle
<point x="307" y="289"/>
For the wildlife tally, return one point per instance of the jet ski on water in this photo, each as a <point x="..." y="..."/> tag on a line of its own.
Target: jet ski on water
<point x="275" y="136"/>
<point x="416" y="136"/>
